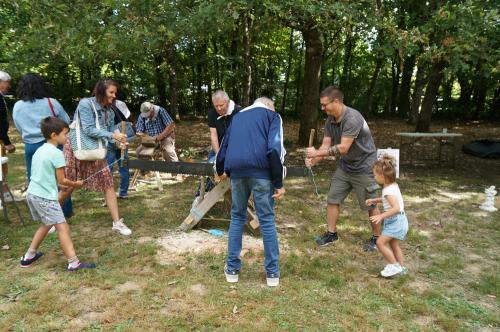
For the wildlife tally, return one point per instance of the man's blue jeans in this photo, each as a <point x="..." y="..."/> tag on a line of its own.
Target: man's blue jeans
<point x="29" y="151"/>
<point x="115" y="154"/>
<point x="262" y="195"/>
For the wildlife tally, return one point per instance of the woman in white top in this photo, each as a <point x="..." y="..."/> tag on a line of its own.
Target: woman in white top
<point x="394" y="217"/>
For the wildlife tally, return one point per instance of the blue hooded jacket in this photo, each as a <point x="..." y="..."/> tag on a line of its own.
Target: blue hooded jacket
<point x="253" y="146"/>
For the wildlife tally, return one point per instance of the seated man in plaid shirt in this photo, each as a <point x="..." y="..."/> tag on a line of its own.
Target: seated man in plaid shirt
<point x="154" y="121"/>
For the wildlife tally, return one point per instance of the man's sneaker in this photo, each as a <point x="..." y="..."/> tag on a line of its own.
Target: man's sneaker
<point x="273" y="279"/>
<point x="231" y="276"/>
<point x="119" y="226"/>
<point x="326" y="238"/>
<point x="81" y="266"/>
<point x="391" y="270"/>
<point x="372" y="245"/>
<point x="28" y="262"/>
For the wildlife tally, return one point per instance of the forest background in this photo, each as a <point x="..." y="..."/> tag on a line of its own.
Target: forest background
<point x="414" y="60"/>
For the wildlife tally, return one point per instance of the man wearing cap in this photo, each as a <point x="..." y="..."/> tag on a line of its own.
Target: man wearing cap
<point x="4" y="121"/>
<point x="219" y="119"/>
<point x="154" y="121"/>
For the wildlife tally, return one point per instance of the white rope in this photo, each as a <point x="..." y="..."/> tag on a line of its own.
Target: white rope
<point x="314" y="181"/>
<point x="103" y="169"/>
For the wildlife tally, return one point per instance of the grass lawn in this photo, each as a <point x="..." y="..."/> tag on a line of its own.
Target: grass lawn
<point x="452" y="253"/>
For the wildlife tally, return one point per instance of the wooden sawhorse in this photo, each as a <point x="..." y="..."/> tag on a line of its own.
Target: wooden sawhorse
<point x="208" y="201"/>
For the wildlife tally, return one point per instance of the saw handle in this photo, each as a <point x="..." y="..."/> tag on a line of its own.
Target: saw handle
<point x="311" y="137"/>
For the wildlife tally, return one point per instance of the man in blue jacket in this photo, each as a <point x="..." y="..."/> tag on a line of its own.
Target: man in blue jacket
<point x="252" y="155"/>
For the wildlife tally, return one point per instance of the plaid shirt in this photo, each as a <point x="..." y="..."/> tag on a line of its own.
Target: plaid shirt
<point x="154" y="127"/>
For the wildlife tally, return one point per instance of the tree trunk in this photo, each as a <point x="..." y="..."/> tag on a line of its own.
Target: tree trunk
<point x="161" y="87"/>
<point x="247" y="64"/>
<point x="379" y="61"/>
<point x="287" y="73"/>
<point x="346" y="70"/>
<point x="395" y="84"/>
<point x="404" y="89"/>
<point x="435" y="77"/>
<point x="495" y="104"/>
<point x="235" y="79"/>
<point x="465" y="95"/>
<point x="479" y="99"/>
<point x="218" y="83"/>
<point x="416" y="97"/>
<point x="172" y="75"/>
<point x="312" y="73"/>
<point x="370" y="102"/>
<point x="446" y="89"/>
<point x="298" y="81"/>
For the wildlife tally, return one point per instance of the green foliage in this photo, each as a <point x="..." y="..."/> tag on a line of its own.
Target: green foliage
<point x="75" y="43"/>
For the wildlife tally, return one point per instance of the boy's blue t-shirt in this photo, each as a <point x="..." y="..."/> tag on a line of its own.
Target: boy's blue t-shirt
<point x="43" y="181"/>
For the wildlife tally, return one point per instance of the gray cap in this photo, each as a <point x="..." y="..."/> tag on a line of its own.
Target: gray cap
<point x="147" y="108"/>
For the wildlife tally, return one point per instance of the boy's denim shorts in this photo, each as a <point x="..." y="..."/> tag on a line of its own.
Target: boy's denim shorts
<point x="45" y="210"/>
<point x="396" y="226"/>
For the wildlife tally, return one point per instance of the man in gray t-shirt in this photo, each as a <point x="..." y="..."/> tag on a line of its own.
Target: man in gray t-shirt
<point x="362" y="154"/>
<point x="348" y="139"/>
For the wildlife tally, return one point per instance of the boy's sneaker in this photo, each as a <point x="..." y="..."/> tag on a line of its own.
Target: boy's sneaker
<point x="273" y="279"/>
<point x="231" y="276"/>
<point x="391" y="270"/>
<point x="81" y="266"/>
<point x="372" y="245"/>
<point x="404" y="270"/>
<point x="326" y="238"/>
<point x="28" y="262"/>
<point x="119" y="226"/>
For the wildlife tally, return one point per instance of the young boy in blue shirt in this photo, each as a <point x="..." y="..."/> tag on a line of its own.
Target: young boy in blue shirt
<point x="47" y="173"/>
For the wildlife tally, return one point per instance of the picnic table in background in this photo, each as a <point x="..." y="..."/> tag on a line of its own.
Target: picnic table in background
<point x="413" y="151"/>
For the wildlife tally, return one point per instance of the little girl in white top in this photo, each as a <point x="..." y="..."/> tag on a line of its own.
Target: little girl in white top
<point x="394" y="217"/>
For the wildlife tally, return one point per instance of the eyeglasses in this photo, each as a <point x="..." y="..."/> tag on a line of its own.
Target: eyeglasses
<point x="325" y="105"/>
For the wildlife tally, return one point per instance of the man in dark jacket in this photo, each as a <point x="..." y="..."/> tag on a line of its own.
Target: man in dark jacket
<point x="252" y="155"/>
<point x="219" y="119"/>
<point x="4" y="120"/>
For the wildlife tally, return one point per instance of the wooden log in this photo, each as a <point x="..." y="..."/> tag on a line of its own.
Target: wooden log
<point x="194" y="168"/>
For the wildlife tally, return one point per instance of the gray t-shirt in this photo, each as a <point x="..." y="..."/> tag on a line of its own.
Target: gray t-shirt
<point x="362" y="154"/>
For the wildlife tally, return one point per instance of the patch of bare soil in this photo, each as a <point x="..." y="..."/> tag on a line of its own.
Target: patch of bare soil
<point x="129" y="286"/>
<point x="176" y="246"/>
<point x="145" y="239"/>
<point x="198" y="289"/>
<point x="424" y="321"/>
<point x="87" y="319"/>
<point x="6" y="307"/>
<point x="420" y="286"/>
<point x="175" y="307"/>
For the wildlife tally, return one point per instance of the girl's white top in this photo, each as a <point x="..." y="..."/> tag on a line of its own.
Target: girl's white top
<point x="392" y="190"/>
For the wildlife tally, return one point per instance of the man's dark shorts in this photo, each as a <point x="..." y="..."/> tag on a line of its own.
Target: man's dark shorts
<point x="364" y="186"/>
